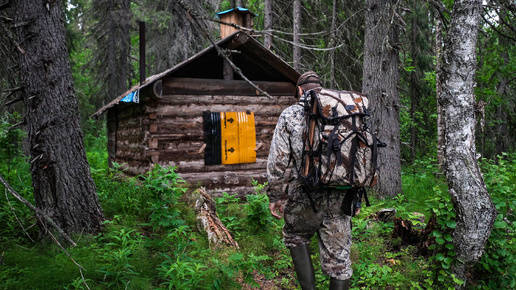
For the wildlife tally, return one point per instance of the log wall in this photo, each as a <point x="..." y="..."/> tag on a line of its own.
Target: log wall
<point x="168" y="130"/>
<point x="126" y="138"/>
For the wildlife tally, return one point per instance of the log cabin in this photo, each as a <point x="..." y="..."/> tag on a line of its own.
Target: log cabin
<point x="203" y="118"/>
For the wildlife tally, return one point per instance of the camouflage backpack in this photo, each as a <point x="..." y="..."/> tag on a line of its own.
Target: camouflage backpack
<point x="339" y="151"/>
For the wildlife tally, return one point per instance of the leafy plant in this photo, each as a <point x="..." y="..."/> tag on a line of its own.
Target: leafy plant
<point x="164" y="189"/>
<point x="498" y="264"/>
<point x="117" y="255"/>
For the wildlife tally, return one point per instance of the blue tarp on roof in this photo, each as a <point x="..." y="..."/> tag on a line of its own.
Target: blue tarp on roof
<point x="241" y="9"/>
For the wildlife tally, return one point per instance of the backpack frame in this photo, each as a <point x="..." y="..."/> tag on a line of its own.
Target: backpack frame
<point x="338" y="149"/>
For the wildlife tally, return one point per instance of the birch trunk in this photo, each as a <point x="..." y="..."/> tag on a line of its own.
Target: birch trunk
<point x="474" y="208"/>
<point x="438" y="90"/>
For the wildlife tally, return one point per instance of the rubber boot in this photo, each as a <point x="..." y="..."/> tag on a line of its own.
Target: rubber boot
<point x="339" y="284"/>
<point x="303" y="266"/>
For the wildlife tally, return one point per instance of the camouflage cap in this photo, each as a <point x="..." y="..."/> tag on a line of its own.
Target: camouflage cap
<point x="308" y="77"/>
<point x="307" y="81"/>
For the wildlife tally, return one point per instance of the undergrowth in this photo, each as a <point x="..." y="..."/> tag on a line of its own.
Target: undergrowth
<point x="151" y="239"/>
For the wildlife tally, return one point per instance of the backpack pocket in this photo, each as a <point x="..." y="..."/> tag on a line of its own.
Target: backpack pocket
<point x="347" y="157"/>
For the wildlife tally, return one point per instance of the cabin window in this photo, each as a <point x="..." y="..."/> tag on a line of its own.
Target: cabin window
<point x="230" y="137"/>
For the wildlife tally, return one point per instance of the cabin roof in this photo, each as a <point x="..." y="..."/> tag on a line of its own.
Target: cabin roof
<point x="255" y="61"/>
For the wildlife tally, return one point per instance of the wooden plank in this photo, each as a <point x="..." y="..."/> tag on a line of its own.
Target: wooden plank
<point x="192" y="86"/>
<point x="225" y="178"/>
<point x="187" y="111"/>
<point x="193" y="166"/>
<point x="153" y="128"/>
<point x="191" y="99"/>
<point x="153" y="143"/>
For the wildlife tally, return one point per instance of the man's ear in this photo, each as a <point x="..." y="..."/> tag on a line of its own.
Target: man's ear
<point x="300" y="91"/>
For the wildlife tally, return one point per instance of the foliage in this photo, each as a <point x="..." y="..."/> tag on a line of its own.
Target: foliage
<point x="151" y="239"/>
<point x="15" y="218"/>
<point x="497" y="267"/>
<point x="117" y="255"/>
<point x="442" y="208"/>
<point x="258" y="215"/>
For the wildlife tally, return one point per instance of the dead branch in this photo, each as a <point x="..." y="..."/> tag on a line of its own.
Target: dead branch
<point x="38" y="212"/>
<point x="16" y="217"/>
<point x="271" y="33"/>
<point x="5" y="5"/>
<point x="192" y="16"/>
<point x="15" y="43"/>
<point x="495" y="28"/>
<point x="210" y="222"/>
<point x="441" y="9"/>
<point x="13" y="101"/>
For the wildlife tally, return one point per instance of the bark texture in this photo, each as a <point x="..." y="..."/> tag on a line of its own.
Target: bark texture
<point x="63" y="187"/>
<point x="475" y="210"/>
<point x="380" y="83"/>
<point x="267" y="23"/>
<point x="438" y="90"/>
<point x="297" y="38"/>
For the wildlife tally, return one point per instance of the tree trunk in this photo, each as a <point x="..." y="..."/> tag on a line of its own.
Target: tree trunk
<point x="333" y="83"/>
<point x="414" y="91"/>
<point x="501" y="129"/>
<point x="475" y="210"/>
<point x="111" y="23"/>
<point x="267" y="23"/>
<point x="380" y="83"/>
<point x="438" y="91"/>
<point x="297" y="31"/>
<point x="63" y="187"/>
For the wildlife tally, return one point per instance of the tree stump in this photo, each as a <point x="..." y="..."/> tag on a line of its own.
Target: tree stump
<point x="209" y="221"/>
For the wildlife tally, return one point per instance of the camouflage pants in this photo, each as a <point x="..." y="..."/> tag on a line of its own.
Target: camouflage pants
<point x="332" y="226"/>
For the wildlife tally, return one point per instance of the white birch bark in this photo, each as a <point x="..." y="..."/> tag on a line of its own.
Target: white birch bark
<point x="438" y="90"/>
<point x="474" y="208"/>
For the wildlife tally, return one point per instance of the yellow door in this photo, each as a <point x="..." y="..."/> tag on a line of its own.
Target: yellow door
<point x="238" y="137"/>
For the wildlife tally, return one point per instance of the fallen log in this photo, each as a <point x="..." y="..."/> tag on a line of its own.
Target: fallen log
<point x="209" y="221"/>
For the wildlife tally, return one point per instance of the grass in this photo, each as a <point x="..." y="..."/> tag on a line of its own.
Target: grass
<point x="151" y="239"/>
<point x="138" y="250"/>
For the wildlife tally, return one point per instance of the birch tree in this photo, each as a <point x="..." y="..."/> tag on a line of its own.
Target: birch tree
<point x="474" y="208"/>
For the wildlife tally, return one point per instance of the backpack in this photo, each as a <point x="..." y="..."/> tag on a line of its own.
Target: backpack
<point x="339" y="151"/>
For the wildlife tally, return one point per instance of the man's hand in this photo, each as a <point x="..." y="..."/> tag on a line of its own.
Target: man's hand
<point x="276" y="207"/>
<point x="357" y="211"/>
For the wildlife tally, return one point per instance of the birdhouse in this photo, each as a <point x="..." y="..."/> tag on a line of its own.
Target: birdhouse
<point x="240" y="16"/>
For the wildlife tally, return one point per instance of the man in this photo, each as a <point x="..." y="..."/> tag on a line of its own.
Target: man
<point x="307" y="212"/>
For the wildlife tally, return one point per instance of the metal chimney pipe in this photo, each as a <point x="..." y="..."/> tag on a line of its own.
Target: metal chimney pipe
<point x="143" y="75"/>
